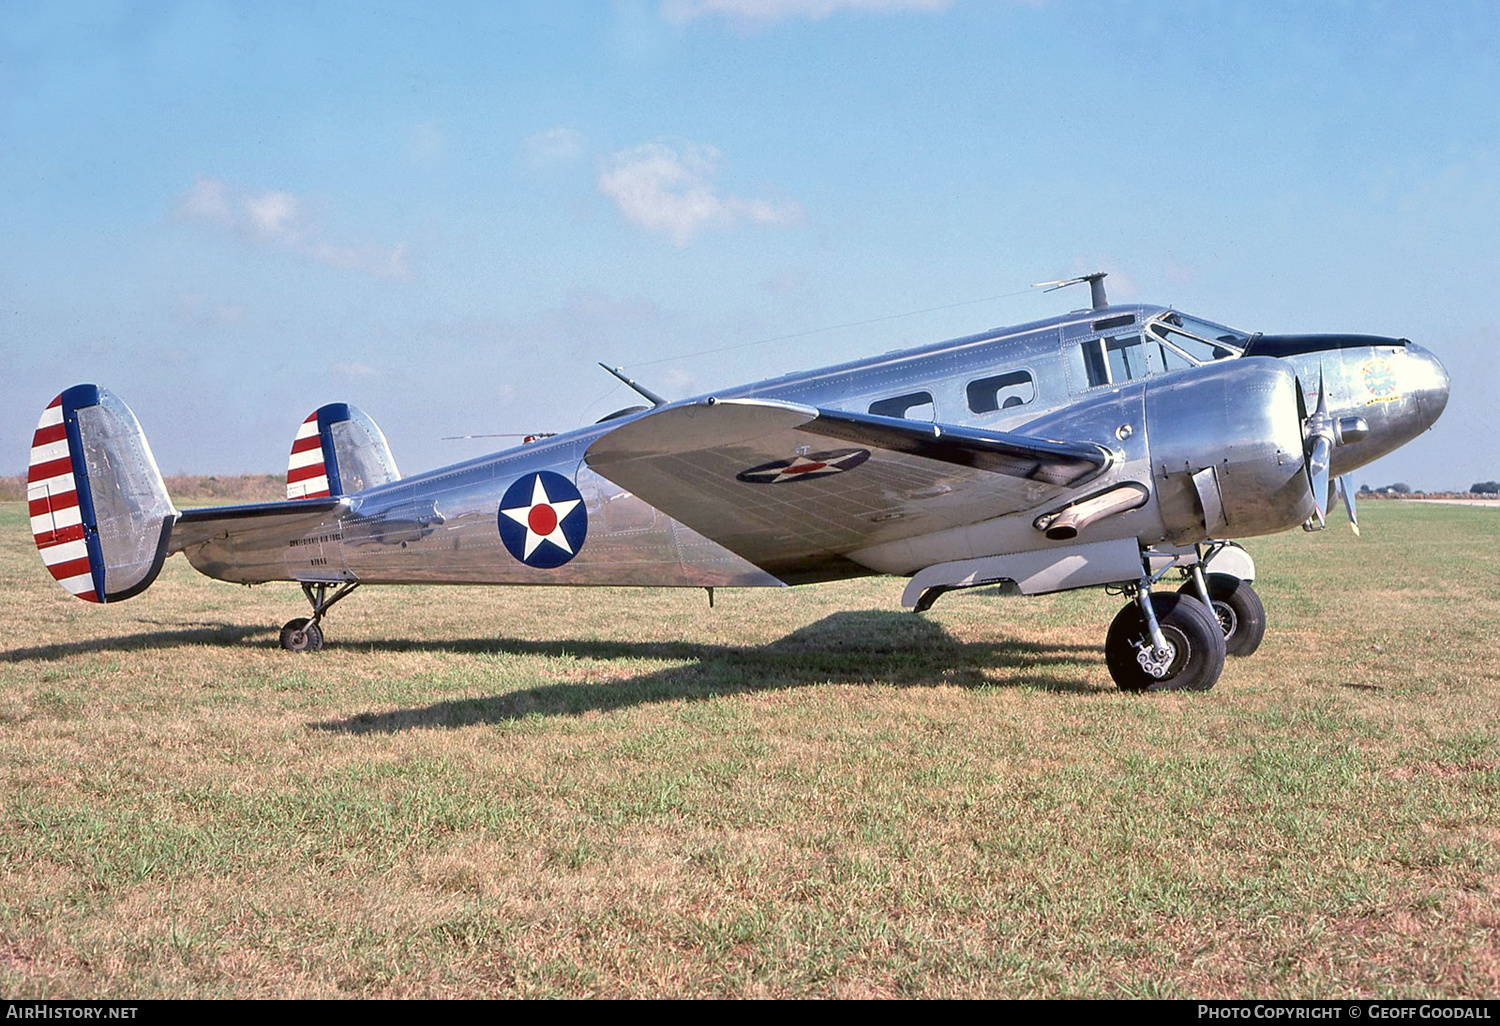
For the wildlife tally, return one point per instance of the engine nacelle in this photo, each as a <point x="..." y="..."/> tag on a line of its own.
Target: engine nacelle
<point x="1226" y="450"/>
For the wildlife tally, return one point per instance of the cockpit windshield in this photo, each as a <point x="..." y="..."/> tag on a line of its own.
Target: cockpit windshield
<point x="1200" y="341"/>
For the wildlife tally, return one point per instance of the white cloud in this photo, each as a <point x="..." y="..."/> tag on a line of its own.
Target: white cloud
<point x="561" y="145"/>
<point x="670" y="189"/>
<point x="280" y="220"/>
<point x="764" y="12"/>
<point x="274" y="216"/>
<point x="207" y="200"/>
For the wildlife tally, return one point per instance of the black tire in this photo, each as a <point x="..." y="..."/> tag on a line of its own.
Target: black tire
<point x="1195" y="637"/>
<point x="1239" y="610"/>
<point x="301" y="635"/>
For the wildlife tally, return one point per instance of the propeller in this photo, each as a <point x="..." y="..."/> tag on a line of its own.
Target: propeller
<point x="1320" y="434"/>
<point x="1317" y="435"/>
<point x="529" y="438"/>
<point x="1346" y="492"/>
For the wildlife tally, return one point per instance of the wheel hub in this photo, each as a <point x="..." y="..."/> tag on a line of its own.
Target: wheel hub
<point x="1227" y="620"/>
<point x="1157" y="665"/>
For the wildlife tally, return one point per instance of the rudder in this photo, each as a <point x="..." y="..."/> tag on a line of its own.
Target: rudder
<point x="338" y="449"/>
<point x="100" y="514"/>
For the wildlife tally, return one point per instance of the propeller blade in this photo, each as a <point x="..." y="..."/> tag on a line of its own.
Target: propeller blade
<point x="1317" y="431"/>
<point x="1317" y="479"/>
<point x="1346" y="492"/>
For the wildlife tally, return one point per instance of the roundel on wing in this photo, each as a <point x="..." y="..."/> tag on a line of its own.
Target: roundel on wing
<point x="805" y="468"/>
<point x="542" y="520"/>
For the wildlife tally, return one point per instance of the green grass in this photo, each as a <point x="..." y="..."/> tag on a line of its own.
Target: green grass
<point x="515" y="792"/>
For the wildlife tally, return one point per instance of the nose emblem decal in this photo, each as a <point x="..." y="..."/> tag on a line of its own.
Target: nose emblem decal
<point x="1380" y="379"/>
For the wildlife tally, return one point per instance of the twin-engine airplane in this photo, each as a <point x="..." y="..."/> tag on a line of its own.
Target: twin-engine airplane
<point x="1106" y="447"/>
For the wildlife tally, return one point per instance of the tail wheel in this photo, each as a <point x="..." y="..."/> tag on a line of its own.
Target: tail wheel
<point x="1195" y="647"/>
<point x="1238" y="608"/>
<point x="301" y="635"/>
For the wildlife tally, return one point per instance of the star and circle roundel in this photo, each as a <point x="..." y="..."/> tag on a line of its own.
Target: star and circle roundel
<point x="805" y="467"/>
<point x="542" y="520"/>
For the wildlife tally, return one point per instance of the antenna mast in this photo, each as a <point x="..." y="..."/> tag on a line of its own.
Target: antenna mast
<point x="1097" y="298"/>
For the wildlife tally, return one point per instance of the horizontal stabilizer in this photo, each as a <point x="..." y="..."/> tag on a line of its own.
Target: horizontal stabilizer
<point x="784" y="485"/>
<point x="264" y="541"/>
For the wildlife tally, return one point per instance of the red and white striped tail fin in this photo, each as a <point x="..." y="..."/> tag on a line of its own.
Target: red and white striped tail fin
<point x="56" y="518"/>
<point x="100" y="514"/>
<point x="338" y="450"/>
<point x="306" y="471"/>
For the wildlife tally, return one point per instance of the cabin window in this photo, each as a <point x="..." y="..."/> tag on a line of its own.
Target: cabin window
<point x="912" y="406"/>
<point x="1001" y="392"/>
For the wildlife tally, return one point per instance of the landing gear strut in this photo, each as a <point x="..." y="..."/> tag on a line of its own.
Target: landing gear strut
<point x="304" y="634"/>
<point x="1164" y="643"/>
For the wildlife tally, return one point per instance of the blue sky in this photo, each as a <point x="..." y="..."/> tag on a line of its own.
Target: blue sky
<point x="445" y="214"/>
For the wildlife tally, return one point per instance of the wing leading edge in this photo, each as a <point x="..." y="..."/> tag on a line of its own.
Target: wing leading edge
<point x="793" y="488"/>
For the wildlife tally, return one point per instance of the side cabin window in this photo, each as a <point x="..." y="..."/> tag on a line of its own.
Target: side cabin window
<point x="1111" y="360"/>
<point x="1001" y="392"/>
<point x="912" y="406"/>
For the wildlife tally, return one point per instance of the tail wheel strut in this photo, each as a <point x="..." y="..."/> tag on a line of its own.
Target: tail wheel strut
<point x="305" y="634"/>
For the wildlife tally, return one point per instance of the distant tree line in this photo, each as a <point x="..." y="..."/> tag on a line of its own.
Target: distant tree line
<point x="1402" y="488"/>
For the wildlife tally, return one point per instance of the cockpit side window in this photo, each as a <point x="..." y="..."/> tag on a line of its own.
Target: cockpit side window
<point x="1093" y="362"/>
<point x="1110" y="360"/>
<point x="1199" y="341"/>
<point x="1001" y="392"/>
<point x="912" y="406"/>
<point x="1170" y="358"/>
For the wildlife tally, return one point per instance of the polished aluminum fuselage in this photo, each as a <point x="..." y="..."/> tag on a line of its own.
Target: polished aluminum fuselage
<point x="441" y="526"/>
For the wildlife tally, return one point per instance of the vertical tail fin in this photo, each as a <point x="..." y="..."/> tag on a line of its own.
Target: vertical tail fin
<point x="338" y="449"/>
<point x="100" y="514"/>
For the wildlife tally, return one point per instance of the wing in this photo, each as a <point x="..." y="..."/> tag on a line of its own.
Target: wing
<point x="793" y="488"/>
<point x="270" y="541"/>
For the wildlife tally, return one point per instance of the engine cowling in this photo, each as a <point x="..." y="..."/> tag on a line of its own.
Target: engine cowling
<point x="1226" y="450"/>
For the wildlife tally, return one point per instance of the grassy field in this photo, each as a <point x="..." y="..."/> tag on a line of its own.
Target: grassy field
<point x="511" y="792"/>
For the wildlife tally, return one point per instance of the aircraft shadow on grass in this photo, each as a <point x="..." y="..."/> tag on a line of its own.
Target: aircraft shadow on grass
<point x="867" y="648"/>
<point x="169" y="636"/>
<point x="871" y="647"/>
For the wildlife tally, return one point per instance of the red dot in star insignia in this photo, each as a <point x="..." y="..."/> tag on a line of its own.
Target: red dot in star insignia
<point x="542" y="519"/>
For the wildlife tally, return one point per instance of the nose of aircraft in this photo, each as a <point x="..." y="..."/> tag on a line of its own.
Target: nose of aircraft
<point x="1427" y="379"/>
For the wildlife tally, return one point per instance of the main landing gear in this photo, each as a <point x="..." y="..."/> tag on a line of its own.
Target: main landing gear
<point x="304" y="634"/>
<point x="1178" y="642"/>
<point x="1164" y="643"/>
<point x="1235" y="604"/>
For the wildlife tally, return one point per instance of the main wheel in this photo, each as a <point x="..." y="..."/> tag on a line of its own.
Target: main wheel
<point x="1241" y="614"/>
<point x="301" y="635"/>
<point x="1194" y="640"/>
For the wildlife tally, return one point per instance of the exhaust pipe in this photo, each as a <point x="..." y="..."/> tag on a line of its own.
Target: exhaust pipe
<point x="1065" y="524"/>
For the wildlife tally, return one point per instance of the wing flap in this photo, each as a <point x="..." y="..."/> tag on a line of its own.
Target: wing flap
<point x="792" y="488"/>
